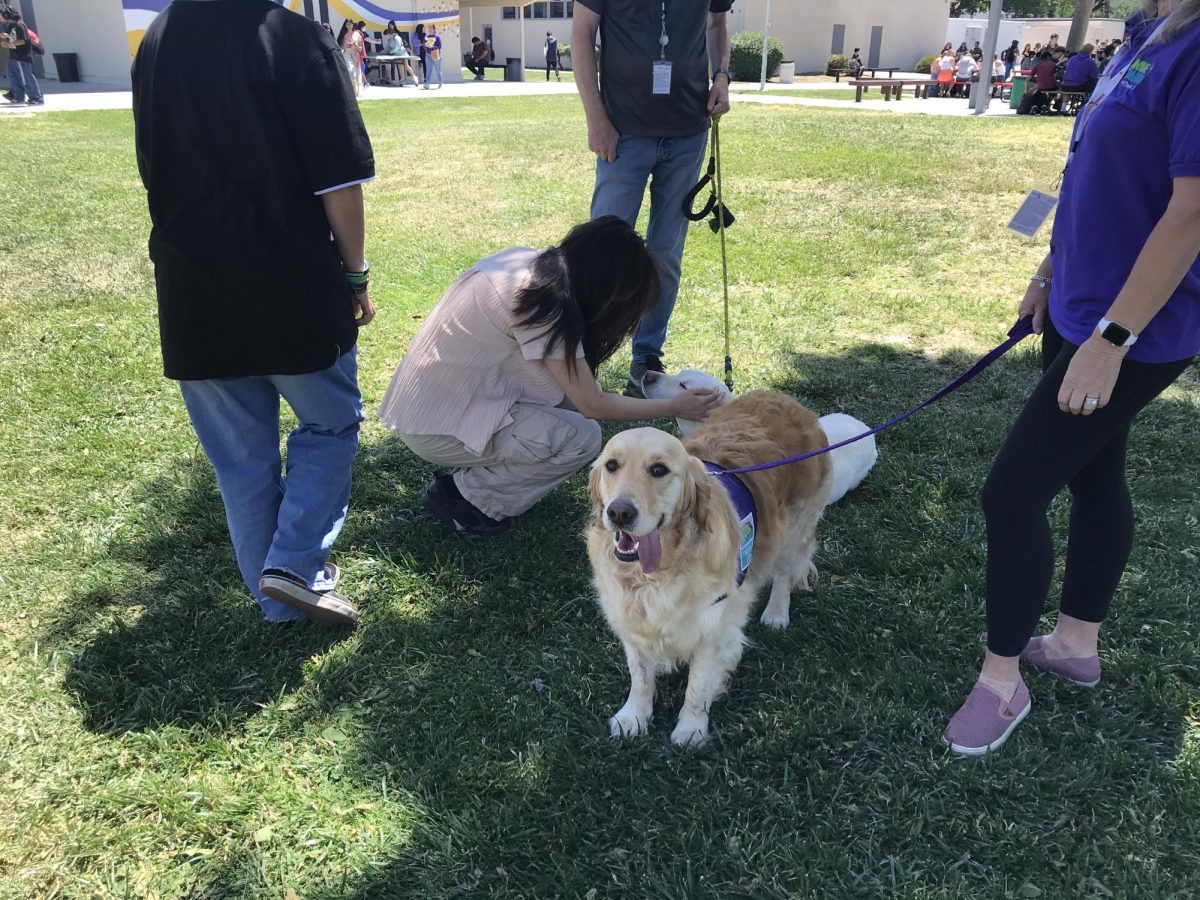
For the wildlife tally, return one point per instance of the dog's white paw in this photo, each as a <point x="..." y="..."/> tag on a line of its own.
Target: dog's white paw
<point x="690" y="732"/>
<point x="629" y="722"/>
<point x="776" y="618"/>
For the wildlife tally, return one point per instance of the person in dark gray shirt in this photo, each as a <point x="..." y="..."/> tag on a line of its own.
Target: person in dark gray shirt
<point x="664" y="75"/>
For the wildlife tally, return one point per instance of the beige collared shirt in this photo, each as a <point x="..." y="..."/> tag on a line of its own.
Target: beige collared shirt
<point x="470" y="361"/>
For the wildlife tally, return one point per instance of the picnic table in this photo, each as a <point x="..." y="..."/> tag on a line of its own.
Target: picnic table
<point x="378" y="61"/>
<point x="838" y="73"/>
<point x="891" y="87"/>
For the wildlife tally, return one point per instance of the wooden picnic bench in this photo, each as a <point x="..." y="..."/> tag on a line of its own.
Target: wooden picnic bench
<point x="838" y="73"/>
<point x="892" y="87"/>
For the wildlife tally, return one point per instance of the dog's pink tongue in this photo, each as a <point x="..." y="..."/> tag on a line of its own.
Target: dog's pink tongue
<point x="650" y="552"/>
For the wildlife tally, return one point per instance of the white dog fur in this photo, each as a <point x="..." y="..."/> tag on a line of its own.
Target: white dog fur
<point x="850" y="463"/>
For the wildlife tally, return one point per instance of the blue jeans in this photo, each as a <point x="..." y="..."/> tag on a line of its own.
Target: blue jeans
<point x="672" y="166"/>
<point x="433" y="67"/>
<point x="22" y="82"/>
<point x="275" y="522"/>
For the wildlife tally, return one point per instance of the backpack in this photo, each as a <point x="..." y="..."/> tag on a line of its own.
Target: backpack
<point x="35" y="42"/>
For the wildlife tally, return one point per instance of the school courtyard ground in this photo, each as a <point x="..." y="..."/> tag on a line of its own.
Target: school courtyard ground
<point x="159" y="741"/>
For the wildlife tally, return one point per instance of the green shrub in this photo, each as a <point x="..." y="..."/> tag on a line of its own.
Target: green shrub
<point x="925" y="64"/>
<point x="746" y="57"/>
<point x="836" y="61"/>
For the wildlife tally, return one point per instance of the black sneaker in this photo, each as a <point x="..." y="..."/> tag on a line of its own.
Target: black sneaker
<point x="444" y="502"/>
<point x="638" y="370"/>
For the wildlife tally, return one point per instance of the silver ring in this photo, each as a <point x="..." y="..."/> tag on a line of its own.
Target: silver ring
<point x="1091" y="401"/>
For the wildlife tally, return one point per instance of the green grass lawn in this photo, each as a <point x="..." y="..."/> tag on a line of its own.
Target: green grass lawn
<point x="159" y="741"/>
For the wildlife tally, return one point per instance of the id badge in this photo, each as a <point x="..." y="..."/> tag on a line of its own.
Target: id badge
<point x="1033" y="213"/>
<point x="662" y="77"/>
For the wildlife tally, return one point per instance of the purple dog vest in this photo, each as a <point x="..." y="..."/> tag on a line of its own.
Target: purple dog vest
<point x="747" y="515"/>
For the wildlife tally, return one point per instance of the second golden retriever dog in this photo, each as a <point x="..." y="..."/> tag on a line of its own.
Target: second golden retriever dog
<point x="678" y="561"/>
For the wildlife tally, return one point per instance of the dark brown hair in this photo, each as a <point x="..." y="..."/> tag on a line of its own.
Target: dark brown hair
<point x="591" y="290"/>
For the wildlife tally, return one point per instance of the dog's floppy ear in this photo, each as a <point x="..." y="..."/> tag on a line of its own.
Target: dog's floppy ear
<point x="697" y="493"/>
<point x="594" y="488"/>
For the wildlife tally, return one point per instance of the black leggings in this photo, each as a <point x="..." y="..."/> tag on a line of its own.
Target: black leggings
<point x="1045" y="451"/>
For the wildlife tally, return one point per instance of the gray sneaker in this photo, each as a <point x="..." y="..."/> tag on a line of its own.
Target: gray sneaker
<point x="327" y="606"/>
<point x="637" y="371"/>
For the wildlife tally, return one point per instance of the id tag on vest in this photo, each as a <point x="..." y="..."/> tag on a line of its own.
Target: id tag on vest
<point x="662" y="77"/>
<point x="746" y="554"/>
<point x="1033" y="213"/>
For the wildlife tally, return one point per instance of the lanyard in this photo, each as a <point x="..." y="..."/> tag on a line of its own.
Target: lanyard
<point x="1118" y="68"/>
<point x="663" y="39"/>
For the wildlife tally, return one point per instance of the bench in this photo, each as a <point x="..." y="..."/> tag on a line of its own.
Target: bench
<point x="838" y="73"/>
<point x="1069" y="102"/>
<point x="892" y="87"/>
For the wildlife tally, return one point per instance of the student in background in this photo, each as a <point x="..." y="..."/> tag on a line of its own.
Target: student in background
<point x="433" y="57"/>
<point x="550" y="51"/>
<point x="478" y="57"/>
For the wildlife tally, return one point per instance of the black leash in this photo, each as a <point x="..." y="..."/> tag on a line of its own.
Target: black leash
<point x="722" y="218"/>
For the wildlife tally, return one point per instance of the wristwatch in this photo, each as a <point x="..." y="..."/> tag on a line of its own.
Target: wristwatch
<point x="1116" y="334"/>
<point x="725" y="72"/>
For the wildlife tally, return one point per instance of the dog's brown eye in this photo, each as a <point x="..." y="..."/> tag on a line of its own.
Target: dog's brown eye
<point x="612" y="465"/>
<point x="658" y="470"/>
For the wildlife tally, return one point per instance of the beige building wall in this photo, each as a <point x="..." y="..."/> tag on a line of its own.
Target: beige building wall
<point x="1038" y="31"/>
<point x="93" y="29"/>
<point x="910" y="28"/>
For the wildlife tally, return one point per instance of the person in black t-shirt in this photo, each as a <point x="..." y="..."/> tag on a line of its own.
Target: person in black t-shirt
<point x="252" y="152"/>
<point x="664" y="75"/>
<point x="14" y="36"/>
<point x="550" y="51"/>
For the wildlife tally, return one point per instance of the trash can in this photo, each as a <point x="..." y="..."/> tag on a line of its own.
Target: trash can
<point x="787" y="72"/>
<point x="67" y="65"/>
<point x="1019" y="83"/>
<point x="514" y="68"/>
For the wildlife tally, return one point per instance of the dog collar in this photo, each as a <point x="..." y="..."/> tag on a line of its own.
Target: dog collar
<point x="746" y="512"/>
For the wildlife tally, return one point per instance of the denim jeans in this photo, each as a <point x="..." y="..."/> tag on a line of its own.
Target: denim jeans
<point x="276" y="522"/>
<point x="22" y="83"/>
<point x="433" y="68"/>
<point x="672" y="166"/>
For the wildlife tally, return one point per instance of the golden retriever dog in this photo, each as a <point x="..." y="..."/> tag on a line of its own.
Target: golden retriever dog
<point x="666" y="544"/>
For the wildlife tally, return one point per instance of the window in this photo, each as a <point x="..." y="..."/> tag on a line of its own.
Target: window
<point x="508" y="12"/>
<point x="556" y="9"/>
<point x="570" y="9"/>
<point x="838" y="47"/>
<point x="539" y="10"/>
<point x="528" y="12"/>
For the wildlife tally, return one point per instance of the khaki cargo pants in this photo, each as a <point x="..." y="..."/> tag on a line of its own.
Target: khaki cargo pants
<point x="541" y="448"/>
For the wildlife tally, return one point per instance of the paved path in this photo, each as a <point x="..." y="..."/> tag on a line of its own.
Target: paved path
<point x="65" y="97"/>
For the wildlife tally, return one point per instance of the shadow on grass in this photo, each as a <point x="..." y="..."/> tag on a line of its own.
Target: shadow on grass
<point x="477" y="687"/>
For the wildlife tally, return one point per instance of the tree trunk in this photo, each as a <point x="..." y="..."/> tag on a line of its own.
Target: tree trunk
<point x="1079" y="25"/>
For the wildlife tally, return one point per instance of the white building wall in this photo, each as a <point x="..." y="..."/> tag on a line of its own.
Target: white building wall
<point x="911" y="28"/>
<point x="92" y="29"/>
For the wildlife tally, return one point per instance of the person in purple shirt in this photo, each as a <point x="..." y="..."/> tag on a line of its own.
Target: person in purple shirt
<point x="1081" y="73"/>
<point x="1117" y="302"/>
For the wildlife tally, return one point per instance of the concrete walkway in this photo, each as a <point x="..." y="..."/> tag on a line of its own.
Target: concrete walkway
<point x="68" y="97"/>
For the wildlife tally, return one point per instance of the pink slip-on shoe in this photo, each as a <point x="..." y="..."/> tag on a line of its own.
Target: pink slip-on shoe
<point x="984" y="722"/>
<point x="1084" y="672"/>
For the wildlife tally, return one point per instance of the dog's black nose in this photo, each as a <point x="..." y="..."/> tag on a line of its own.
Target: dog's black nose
<point x="622" y="513"/>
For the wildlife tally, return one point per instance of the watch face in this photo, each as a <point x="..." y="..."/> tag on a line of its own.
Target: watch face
<point x="1115" y="334"/>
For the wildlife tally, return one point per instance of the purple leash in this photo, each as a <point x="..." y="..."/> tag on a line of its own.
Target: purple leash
<point x="1016" y="334"/>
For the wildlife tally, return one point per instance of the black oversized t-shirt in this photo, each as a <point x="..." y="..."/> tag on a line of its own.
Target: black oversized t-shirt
<point x="18" y="32"/>
<point x="244" y="115"/>
<point x="629" y="47"/>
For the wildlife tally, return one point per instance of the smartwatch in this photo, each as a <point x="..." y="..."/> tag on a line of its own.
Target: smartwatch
<point x="1116" y="334"/>
<point x="725" y="72"/>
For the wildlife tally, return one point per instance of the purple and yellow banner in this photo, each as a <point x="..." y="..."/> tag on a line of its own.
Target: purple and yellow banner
<point x="140" y="13"/>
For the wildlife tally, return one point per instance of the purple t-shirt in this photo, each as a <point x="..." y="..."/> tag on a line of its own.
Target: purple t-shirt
<point x="1116" y="189"/>
<point x="1081" y="69"/>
